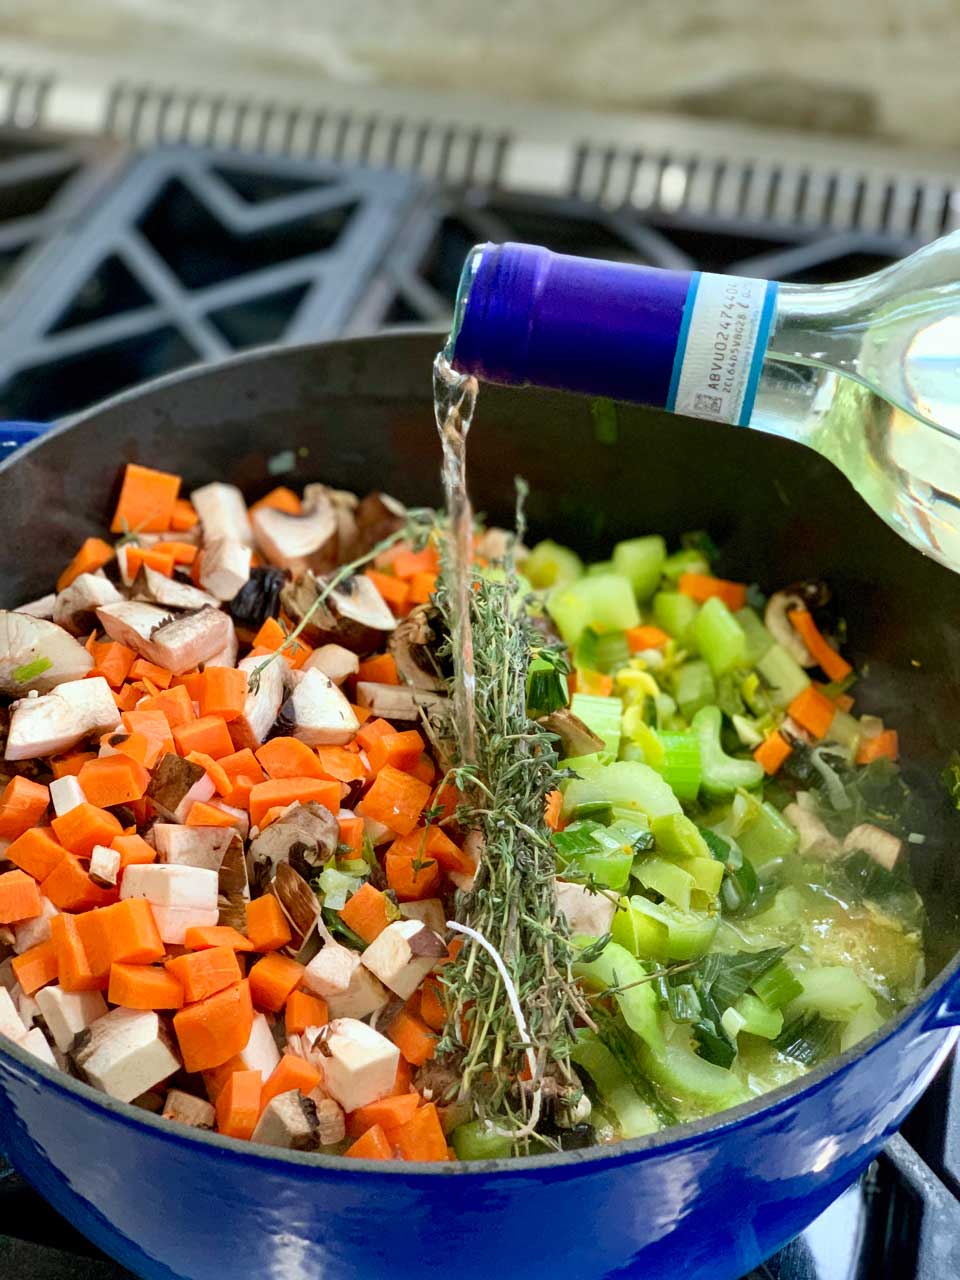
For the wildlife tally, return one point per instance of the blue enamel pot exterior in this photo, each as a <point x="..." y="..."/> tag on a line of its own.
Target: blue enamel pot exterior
<point x="705" y="1200"/>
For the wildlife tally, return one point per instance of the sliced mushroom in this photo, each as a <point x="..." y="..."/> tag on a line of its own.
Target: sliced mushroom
<point x="170" y="593"/>
<point x="223" y="513"/>
<point x="300" y="905"/>
<point x="412" y="644"/>
<point x="227" y="656"/>
<point x="377" y="516"/>
<point x="803" y="595"/>
<point x="234" y="886"/>
<point x="317" y="713"/>
<point x="262" y="705"/>
<point x="576" y="739"/>
<point x="345" y="510"/>
<point x="131" y="622"/>
<point x="257" y="600"/>
<point x="815" y="839"/>
<point x="42" y="608"/>
<point x="399" y="701"/>
<point x="176" y="785"/>
<point x="336" y="662"/>
<point x="224" y="567"/>
<point x="353" y="614"/>
<point x="37" y="655"/>
<point x="184" y="643"/>
<point x="42" y="725"/>
<point x="191" y="846"/>
<point x="306" y="837"/>
<point x="77" y="604"/>
<point x="882" y="847"/>
<point x="298" y="542"/>
<point x="289" y="1121"/>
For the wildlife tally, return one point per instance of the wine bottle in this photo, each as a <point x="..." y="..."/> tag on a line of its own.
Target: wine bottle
<point x="867" y="372"/>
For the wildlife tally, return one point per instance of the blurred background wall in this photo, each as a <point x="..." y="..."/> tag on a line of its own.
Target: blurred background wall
<point x="868" y="68"/>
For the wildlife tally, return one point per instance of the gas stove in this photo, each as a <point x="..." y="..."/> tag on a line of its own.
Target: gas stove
<point x="117" y="266"/>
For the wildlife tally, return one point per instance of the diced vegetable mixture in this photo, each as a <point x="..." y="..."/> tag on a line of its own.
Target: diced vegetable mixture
<point x="246" y="882"/>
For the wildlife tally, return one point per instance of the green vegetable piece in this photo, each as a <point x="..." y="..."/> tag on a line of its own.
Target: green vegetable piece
<point x="693" y="687"/>
<point x="599" y="566"/>
<point x="759" y="639"/>
<point x="641" y="560"/>
<point x="777" y="987"/>
<point x="616" y="968"/>
<point x="719" y="637"/>
<point x="550" y="565"/>
<point x="605" y="602"/>
<point x="722" y="774"/>
<point x="336" y="887"/>
<point x="674" y="612"/>
<point x="833" y="991"/>
<point x="677" y="836"/>
<point x="766" y="836"/>
<point x="634" y="1118"/>
<point x="30" y="670"/>
<point x="666" y="878"/>
<point x="758" y="1019"/>
<point x="588" y="850"/>
<point x="658" y="931"/>
<point x="784" y="677"/>
<point x="601" y="715"/>
<point x="606" y="651"/>
<point x="685" y="1074"/>
<point x="807" y="1039"/>
<point x="547" y="688"/>
<point x="626" y="785"/>
<point x="690" y="560"/>
<point x="480" y="1140"/>
<point x="707" y="874"/>
<point x="680" y="764"/>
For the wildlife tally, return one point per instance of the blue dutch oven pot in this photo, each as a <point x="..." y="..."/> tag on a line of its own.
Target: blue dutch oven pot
<point x="708" y="1200"/>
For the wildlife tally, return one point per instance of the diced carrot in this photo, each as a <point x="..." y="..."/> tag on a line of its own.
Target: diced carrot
<point x="239" y="797"/>
<point x="215" y="1029"/>
<point x="22" y="805"/>
<point x="125" y="933"/>
<point x="36" y="852"/>
<point x="394" y="590"/>
<point x="238" y="1105"/>
<point x="160" y="677"/>
<point x="19" y="897"/>
<point x="200" y="937"/>
<point x="272" y="637"/>
<point x="134" y="558"/>
<point x="133" y="851"/>
<point x="146" y="500"/>
<point x="183" y="516"/>
<point x="380" y="669"/>
<point x="368" y="734"/>
<point x="207" y="815"/>
<point x="446" y="799"/>
<point x="175" y="703"/>
<point x="218" y="776"/>
<point x="432" y="842"/>
<point x="155" y="727"/>
<point x="403" y="1081"/>
<point x="192" y="681"/>
<point x="284" y="791"/>
<point x="422" y="1137"/>
<point x="339" y="763"/>
<point x="69" y="766"/>
<point x="351" y="834"/>
<point x="401" y="750"/>
<point x="94" y="553"/>
<point x="412" y="1037"/>
<point x="596" y="683"/>
<point x="112" y="780"/>
<point x="646" y="637"/>
<point x="389" y="1113"/>
<point x="267" y="926"/>
<point x="182" y="552"/>
<point x="134" y="745"/>
<point x="80" y="829"/>
<point x="830" y="662"/>
<point x="424" y="769"/>
<point x="72" y="963"/>
<point x="407" y="564"/>
<point x="113" y="661"/>
<point x="772" y="752"/>
<point x="280" y="499"/>
<point x="289" y="758"/>
<point x="422" y="587"/>
<point x="553" y="810"/>
<point x="36" y="967"/>
<point x="703" y="586"/>
<point x="303" y="1010"/>
<point x="844" y="702"/>
<point x="69" y="887"/>
<point x="885" y="744"/>
<point x="432" y="1009"/>
<point x="412" y="878"/>
<point x="243" y="763"/>
<point x="223" y="692"/>
<point x="813" y="711"/>
<point x="371" y="1145"/>
<point x="290" y="1073"/>
<point x="204" y="973"/>
<point x="272" y="979"/>
<point x="363" y="714"/>
<point x="396" y="799"/>
<point x="209" y="734"/>
<point x="143" y="986"/>
<point x="127" y="697"/>
<point x="366" y="912"/>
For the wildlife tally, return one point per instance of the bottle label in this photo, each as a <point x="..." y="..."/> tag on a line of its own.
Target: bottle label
<point x="720" y="347"/>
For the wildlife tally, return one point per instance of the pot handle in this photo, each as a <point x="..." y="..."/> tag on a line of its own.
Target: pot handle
<point x="15" y="434"/>
<point x="946" y="1013"/>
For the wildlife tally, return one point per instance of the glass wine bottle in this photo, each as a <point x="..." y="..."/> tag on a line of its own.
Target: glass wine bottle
<point x="867" y="372"/>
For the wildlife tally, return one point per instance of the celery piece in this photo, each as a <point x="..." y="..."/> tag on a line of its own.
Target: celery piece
<point x="631" y="829"/>
<point x="759" y="639"/>
<point x="601" y="715"/>
<point x="690" y="560"/>
<point x="632" y="751"/>
<point x="606" y="651"/>
<point x="758" y="1018"/>
<point x="766" y="835"/>
<point x="337" y="887"/>
<point x="600" y="566"/>
<point x="674" y="612"/>
<point x="833" y="991"/>
<point x="777" y="986"/>
<point x="641" y="560"/>
<point x="550" y="565"/>
<point x="784" y="677"/>
<point x="638" y="932"/>
<point x="596" y="760"/>
<point x="626" y="785"/>
<point x="588" y="850"/>
<point x="678" y="837"/>
<point x="547" y="688"/>
<point x="604" y="602"/>
<point x="684" y="1074"/>
<point x="481" y="1140"/>
<point x="722" y="774"/>
<point x="707" y="874"/>
<point x="615" y="967"/>
<point x="694" y="687"/>
<point x="680" y="765"/>
<point x="861" y="1025"/>
<point x="845" y="730"/>
<point x="658" y="931"/>
<point x="666" y="878"/>
<point x="719" y="636"/>
<point x="634" y="1117"/>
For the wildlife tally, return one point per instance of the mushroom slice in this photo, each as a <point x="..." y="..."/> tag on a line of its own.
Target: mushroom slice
<point x="336" y="662"/>
<point x="76" y="606"/>
<point x="37" y="655"/>
<point x="399" y="701"/>
<point x="411" y="646"/>
<point x="191" y="846"/>
<point x="317" y="712"/>
<point x="227" y="656"/>
<point x="172" y="593"/>
<point x="353" y="614"/>
<point x="804" y="595"/>
<point x="224" y="567"/>
<point x="42" y="725"/>
<point x="42" y="608"/>
<point x="223" y="513"/>
<point x="131" y="622"/>
<point x="882" y="847"/>
<point x="299" y="542"/>
<point x="176" y="785"/>
<point x="299" y="903"/>
<point x="377" y="516"/>
<point x="257" y="600"/>
<point x="289" y="1121"/>
<point x="576" y="738"/>
<point x="306" y="837"/>
<point x="233" y="890"/>
<point x="184" y="643"/>
<point x="262" y="705"/>
<point x="815" y="839"/>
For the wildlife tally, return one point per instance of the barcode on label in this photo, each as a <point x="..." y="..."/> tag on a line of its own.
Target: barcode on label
<point x="708" y="404"/>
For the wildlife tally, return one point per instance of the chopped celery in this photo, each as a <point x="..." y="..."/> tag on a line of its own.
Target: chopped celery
<point x="707" y="874"/>
<point x="660" y="932"/>
<point x="600" y="566"/>
<point x="722" y="774"/>
<point x="719" y="636"/>
<point x="674" y="612"/>
<point x="601" y="651"/>
<point x="586" y="849"/>
<point x="601" y="715"/>
<point x="766" y="836"/>
<point x="632" y="829"/>
<point x="693" y="687"/>
<point x="547" y="688"/>
<point x="625" y="785"/>
<point x="596" y="760"/>
<point x="777" y="986"/>
<point x="647" y="739"/>
<point x="633" y="751"/>
<point x="759" y="639"/>
<point x="845" y="730"/>
<point x="617" y="968"/>
<point x="604" y="602"/>
<point x="758" y="1018"/>
<point x="641" y="560"/>
<point x="685" y="1075"/>
<point x="690" y="560"/>
<point x="784" y="677"/>
<point x="680" y="765"/>
<point x="633" y="1115"/>
<point x="550" y="565"/>
<point x="678" y="837"/>
<point x="833" y="991"/>
<point x="481" y="1140"/>
<point x="666" y="878"/>
<point x="807" y="1039"/>
<point x="862" y="1024"/>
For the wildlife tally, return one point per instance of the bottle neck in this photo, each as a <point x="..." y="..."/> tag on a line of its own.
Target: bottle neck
<point x="821" y="326"/>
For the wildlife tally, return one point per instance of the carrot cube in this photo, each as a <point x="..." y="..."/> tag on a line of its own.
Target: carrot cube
<point x="372" y="1145"/>
<point x="283" y="791"/>
<point x="204" y="973"/>
<point x="146" y="500"/>
<point x="381" y="669"/>
<point x="351" y="835"/>
<point x="208" y="734"/>
<point x="396" y="799"/>
<point x="772" y="752"/>
<point x="223" y="692"/>
<point x="183" y="516"/>
<point x="200" y="937"/>
<point x="133" y="851"/>
<point x="143" y="986"/>
<point x="143" y="670"/>
<point x="366" y="913"/>
<point x="272" y="979"/>
<point x="390" y="1113"/>
<point x="81" y="829"/>
<point x="303" y="1010"/>
<point x="272" y="637"/>
<point x="215" y="1029"/>
<point x="289" y="758"/>
<point x="175" y="703"/>
<point x="19" y="897"/>
<point x="402" y="750"/>
<point x="72" y="963"/>
<point x="69" y="887"/>
<point x="36" y="852"/>
<point x="125" y="933"/>
<point x="280" y="499"/>
<point x="94" y="553"/>
<point x="413" y="1038"/>
<point x="207" y="815"/>
<point x="113" y="661"/>
<point x="22" y="805"/>
<point x="155" y="727"/>
<point x="238" y="1105"/>
<point x="290" y="1073"/>
<point x="422" y="1137"/>
<point x="341" y="764"/>
<point x="111" y="780"/>
<point x="394" y="590"/>
<point x="267" y="926"/>
<point x="412" y="877"/>
<point x="36" y="968"/>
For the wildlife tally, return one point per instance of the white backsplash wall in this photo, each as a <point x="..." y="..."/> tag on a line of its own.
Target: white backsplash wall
<point x="872" y="68"/>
